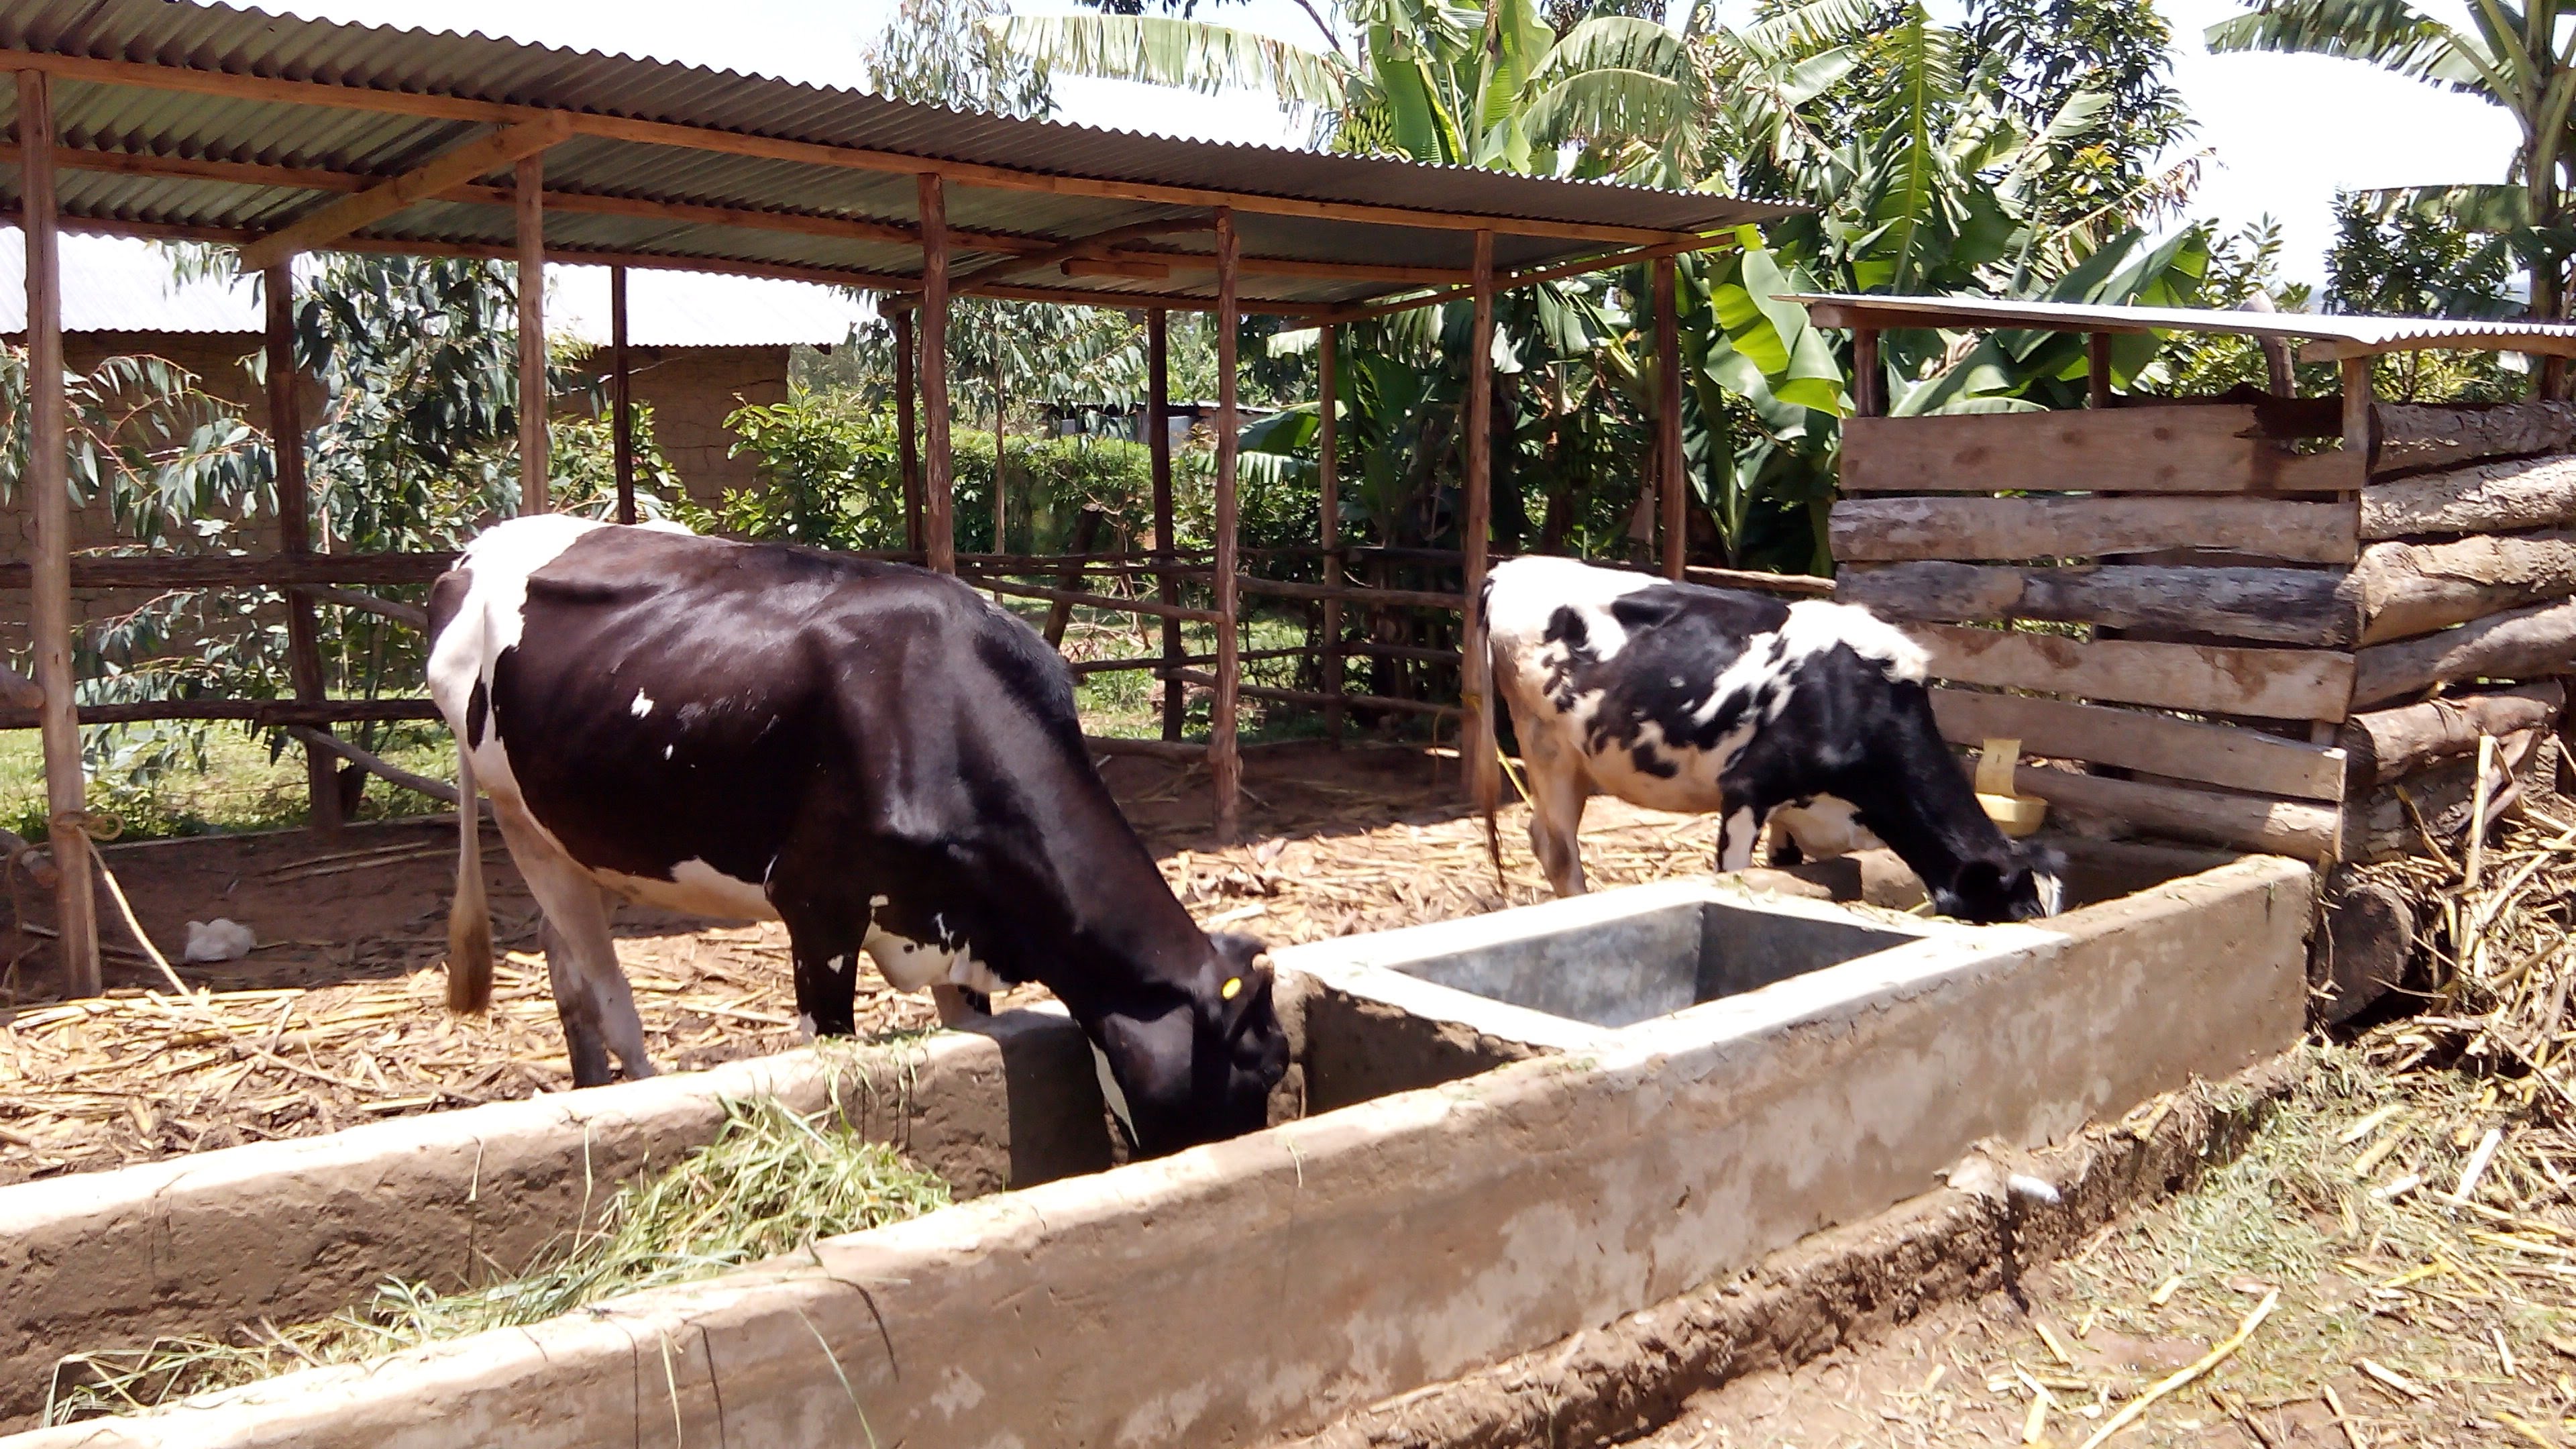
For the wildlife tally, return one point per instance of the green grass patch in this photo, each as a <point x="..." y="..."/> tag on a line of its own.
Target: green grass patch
<point x="241" y="787"/>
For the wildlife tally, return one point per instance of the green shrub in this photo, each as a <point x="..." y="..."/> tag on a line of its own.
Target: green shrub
<point x="831" y="478"/>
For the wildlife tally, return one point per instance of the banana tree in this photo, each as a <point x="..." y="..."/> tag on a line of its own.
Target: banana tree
<point x="2520" y="57"/>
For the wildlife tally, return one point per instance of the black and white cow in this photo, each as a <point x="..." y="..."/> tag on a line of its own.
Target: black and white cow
<point x="1810" y="715"/>
<point x="874" y="754"/>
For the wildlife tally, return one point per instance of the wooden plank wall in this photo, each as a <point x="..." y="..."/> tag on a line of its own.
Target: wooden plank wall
<point x="2240" y="612"/>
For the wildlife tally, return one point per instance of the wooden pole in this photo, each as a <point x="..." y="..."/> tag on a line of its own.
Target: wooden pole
<point x="295" y="535"/>
<point x="2097" y="369"/>
<point x="1475" y="738"/>
<point x="529" y="176"/>
<point x="1328" y="345"/>
<point x="939" y="525"/>
<point x="2360" y="400"/>
<point x="1869" y="375"/>
<point x="1158" y="447"/>
<point x="50" y="582"/>
<point x="1001" y="442"/>
<point x="622" y="422"/>
<point x="907" y="445"/>
<point x="1674" y="478"/>
<point x="2360" y="420"/>
<point x="1225" y="759"/>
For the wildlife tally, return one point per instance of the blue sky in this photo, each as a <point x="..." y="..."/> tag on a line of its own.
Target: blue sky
<point x="2282" y="132"/>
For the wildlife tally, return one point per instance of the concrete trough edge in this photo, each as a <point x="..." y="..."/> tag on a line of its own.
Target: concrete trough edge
<point x="1844" y="1285"/>
<point x="1265" y="1285"/>
<point x="298" y="1229"/>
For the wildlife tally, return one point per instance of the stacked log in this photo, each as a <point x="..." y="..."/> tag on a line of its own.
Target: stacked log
<point x="2236" y="626"/>
<point x="2467" y="589"/>
<point x="2162" y="597"/>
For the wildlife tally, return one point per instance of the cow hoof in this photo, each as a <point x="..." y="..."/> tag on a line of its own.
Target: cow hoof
<point x="804" y="1029"/>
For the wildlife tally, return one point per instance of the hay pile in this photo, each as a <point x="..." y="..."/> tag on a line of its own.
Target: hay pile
<point x="772" y="1182"/>
<point x="2494" y="923"/>
<point x="140" y="1076"/>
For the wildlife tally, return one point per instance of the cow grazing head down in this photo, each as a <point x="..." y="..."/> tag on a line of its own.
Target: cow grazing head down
<point x="1199" y="1067"/>
<point x="2021" y="883"/>
<point x="874" y="755"/>
<point x="1690" y="699"/>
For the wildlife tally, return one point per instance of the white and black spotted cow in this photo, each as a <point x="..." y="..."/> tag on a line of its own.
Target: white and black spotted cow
<point x="1812" y="716"/>
<point x="874" y="754"/>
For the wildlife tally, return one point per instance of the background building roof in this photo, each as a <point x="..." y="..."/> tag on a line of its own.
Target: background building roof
<point x="118" y="284"/>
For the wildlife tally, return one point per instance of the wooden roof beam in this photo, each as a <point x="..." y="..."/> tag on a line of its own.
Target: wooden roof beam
<point x="454" y="168"/>
<point x="1365" y="311"/>
<point x="1093" y="247"/>
<point x="896" y="286"/>
<point x="191" y="80"/>
<point x="308" y="178"/>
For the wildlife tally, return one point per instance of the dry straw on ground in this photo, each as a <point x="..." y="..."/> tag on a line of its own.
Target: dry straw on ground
<point x="138" y="1076"/>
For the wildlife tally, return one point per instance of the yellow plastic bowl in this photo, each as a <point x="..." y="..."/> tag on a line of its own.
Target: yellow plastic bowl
<point x="2017" y="815"/>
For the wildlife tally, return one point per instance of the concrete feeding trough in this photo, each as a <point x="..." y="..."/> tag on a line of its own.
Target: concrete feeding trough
<point x="1610" y="960"/>
<point x="1500" y="1131"/>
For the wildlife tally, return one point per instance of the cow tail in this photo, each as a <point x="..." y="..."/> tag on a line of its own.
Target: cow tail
<point x="469" y="918"/>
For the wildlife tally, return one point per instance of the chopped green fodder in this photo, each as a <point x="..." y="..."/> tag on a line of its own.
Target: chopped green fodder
<point x="772" y="1182"/>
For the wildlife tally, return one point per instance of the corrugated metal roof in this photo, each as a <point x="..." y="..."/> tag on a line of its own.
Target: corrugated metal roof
<point x="108" y="110"/>
<point x="2330" y="336"/>
<point x="118" y="284"/>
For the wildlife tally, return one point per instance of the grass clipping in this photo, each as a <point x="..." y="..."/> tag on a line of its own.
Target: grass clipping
<point x="772" y="1182"/>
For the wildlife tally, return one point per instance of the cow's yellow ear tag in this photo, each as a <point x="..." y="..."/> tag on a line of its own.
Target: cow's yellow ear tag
<point x="1232" y="989"/>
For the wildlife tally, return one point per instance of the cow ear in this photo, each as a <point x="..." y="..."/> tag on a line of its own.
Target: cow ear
<point x="1246" y="984"/>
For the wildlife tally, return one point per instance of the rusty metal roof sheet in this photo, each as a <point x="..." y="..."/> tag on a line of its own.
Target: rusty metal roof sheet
<point x="2329" y="336"/>
<point x="146" y="90"/>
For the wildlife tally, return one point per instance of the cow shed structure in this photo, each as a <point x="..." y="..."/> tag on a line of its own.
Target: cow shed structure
<point x="279" y="136"/>
<point x="2319" y="627"/>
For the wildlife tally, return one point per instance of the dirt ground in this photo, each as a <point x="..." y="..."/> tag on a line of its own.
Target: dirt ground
<point x="336" y="1018"/>
<point x="2381" y="1314"/>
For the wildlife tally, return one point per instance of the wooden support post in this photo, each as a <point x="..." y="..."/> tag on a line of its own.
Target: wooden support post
<point x="1476" y="737"/>
<point x="1225" y="758"/>
<point x="939" y="524"/>
<point x="1158" y="446"/>
<point x="1001" y="442"/>
<point x="622" y="401"/>
<point x="295" y="535"/>
<point x="2360" y="406"/>
<point x="1671" y="474"/>
<point x="529" y="177"/>
<point x="50" y="581"/>
<point x="907" y="443"/>
<point x="1328" y="346"/>
<point x="2360" y="420"/>
<point x="1869" y="375"/>
<point x="2097" y="369"/>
